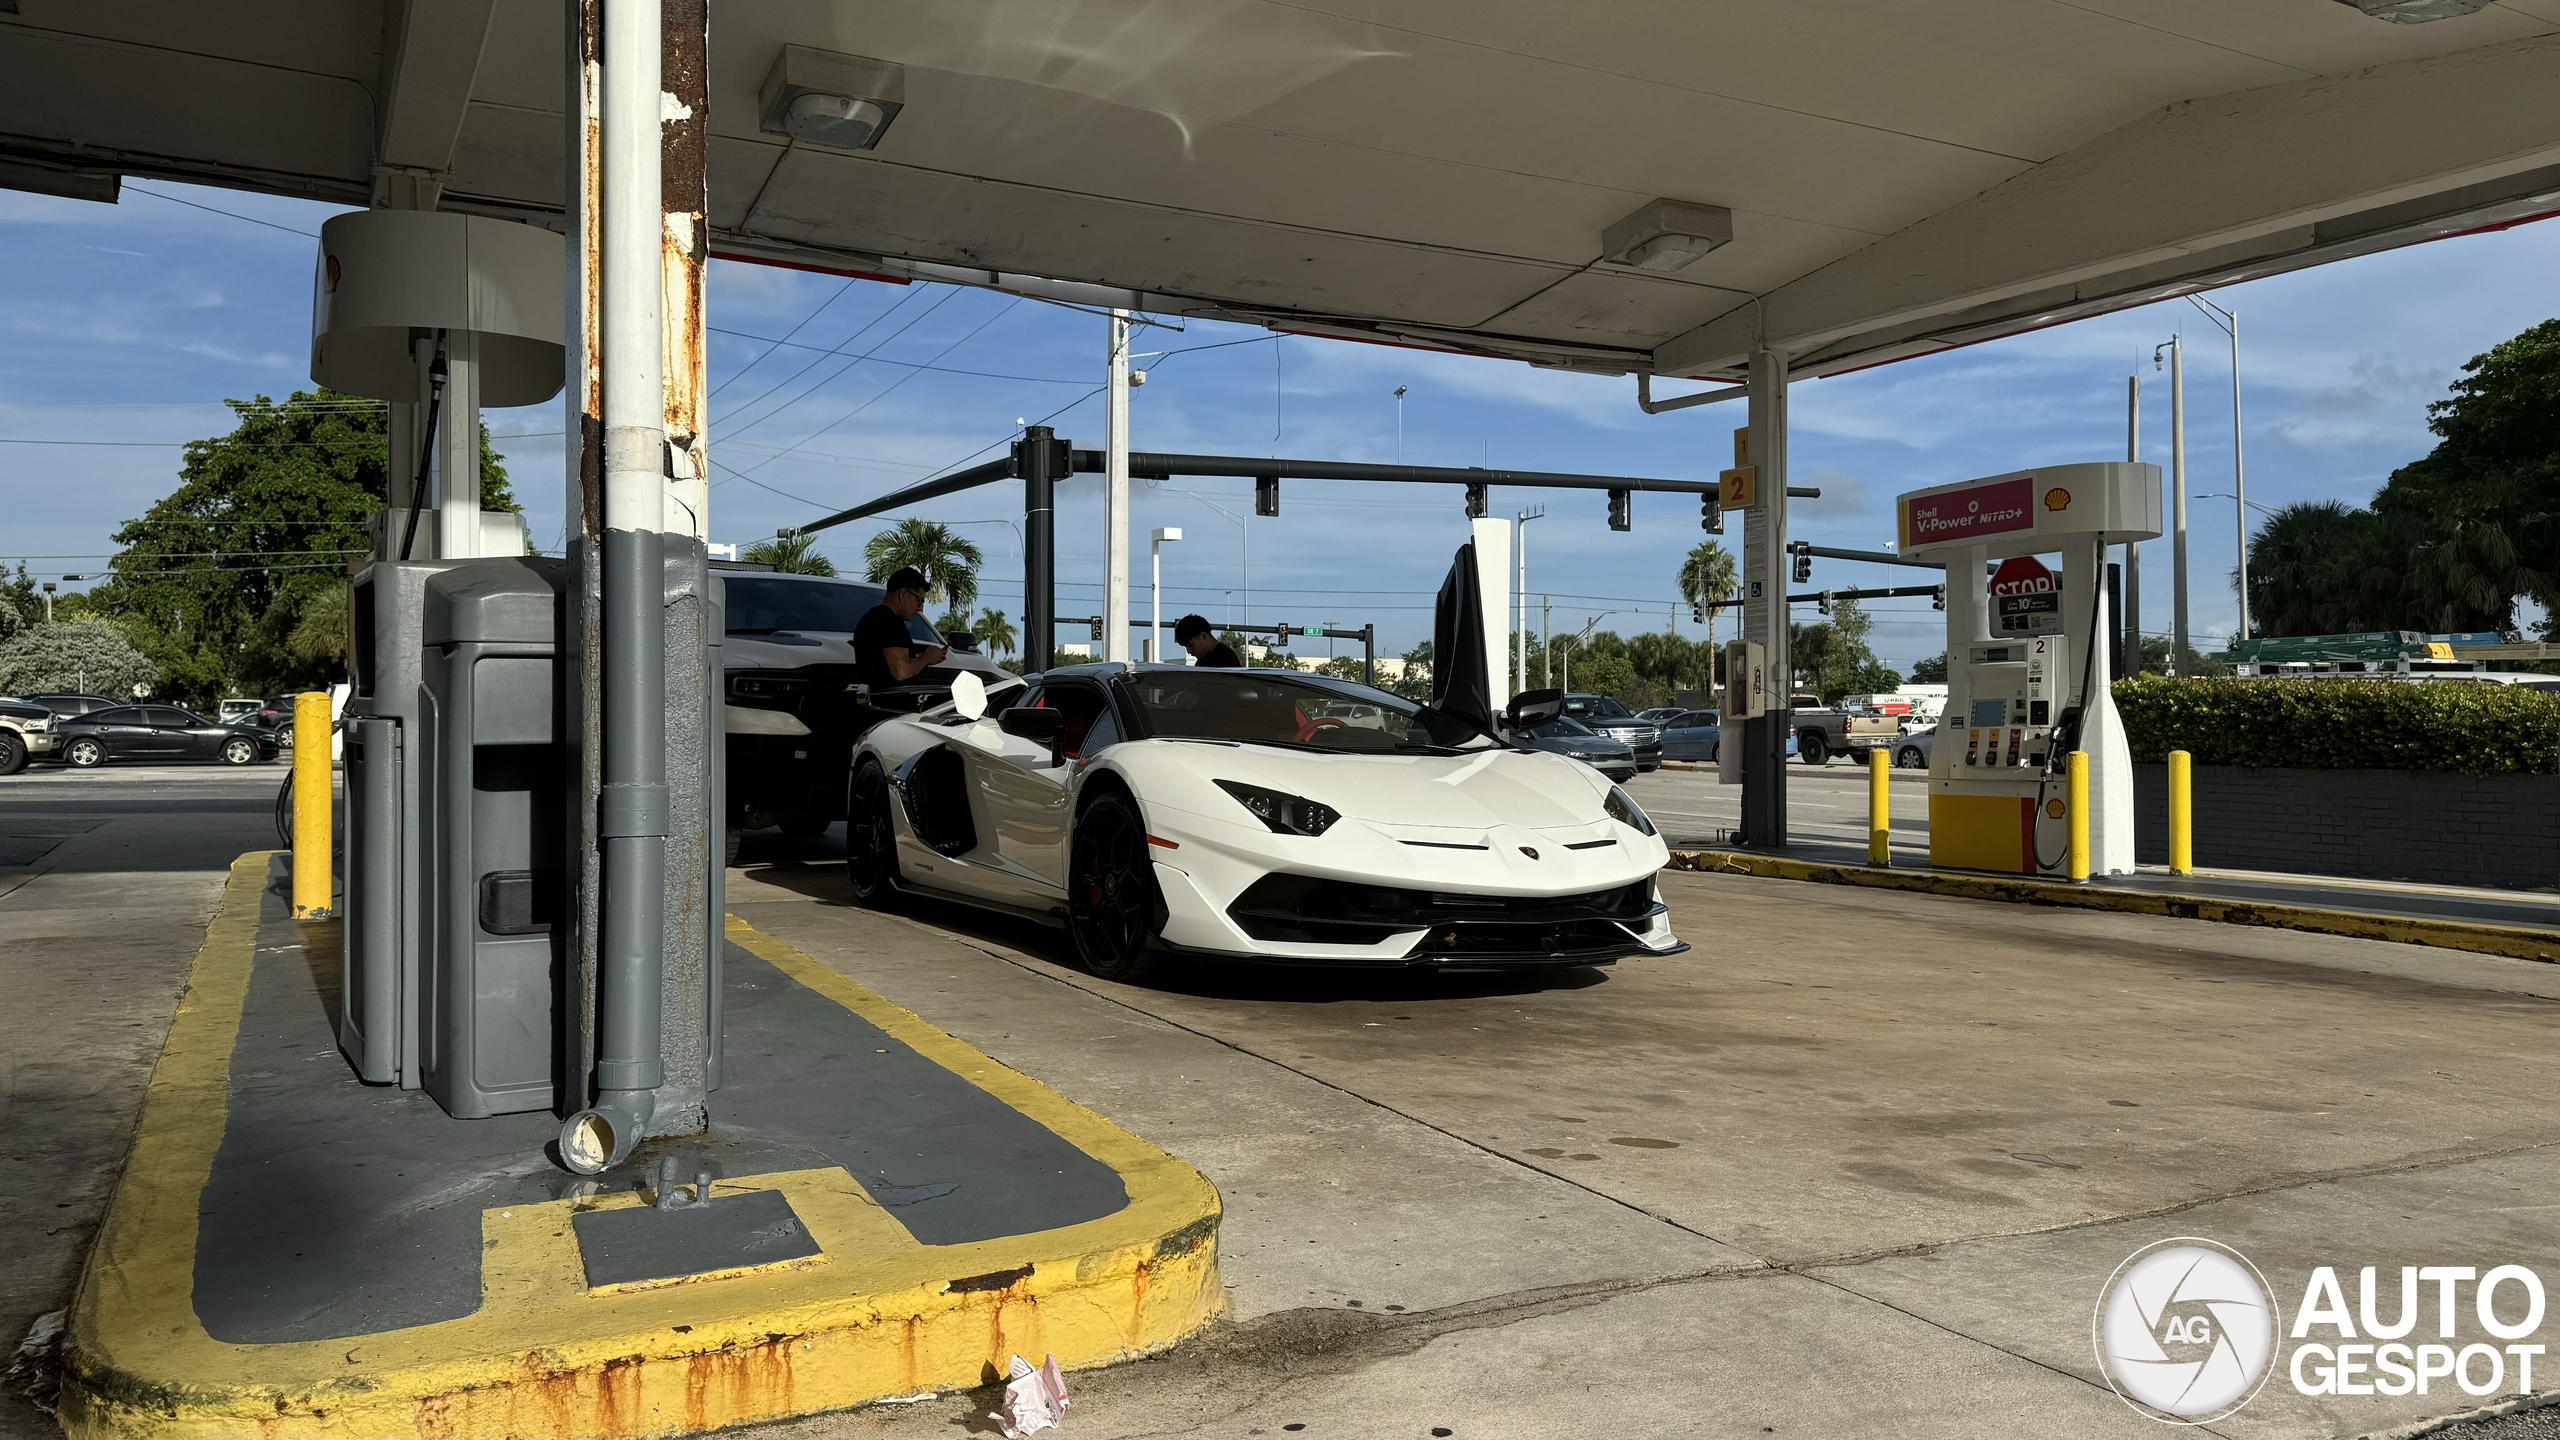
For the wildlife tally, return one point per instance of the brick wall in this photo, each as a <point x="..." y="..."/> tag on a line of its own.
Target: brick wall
<point x="2499" y="830"/>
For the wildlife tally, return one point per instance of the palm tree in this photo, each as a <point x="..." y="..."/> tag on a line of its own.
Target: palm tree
<point x="996" y="632"/>
<point x="949" y="563"/>
<point x="791" y="554"/>
<point x="1708" y="577"/>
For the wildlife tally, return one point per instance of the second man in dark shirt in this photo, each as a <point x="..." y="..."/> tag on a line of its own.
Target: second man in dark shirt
<point x="1192" y="633"/>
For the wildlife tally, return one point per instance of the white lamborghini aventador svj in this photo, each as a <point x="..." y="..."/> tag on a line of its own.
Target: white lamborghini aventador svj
<point x="1163" y="810"/>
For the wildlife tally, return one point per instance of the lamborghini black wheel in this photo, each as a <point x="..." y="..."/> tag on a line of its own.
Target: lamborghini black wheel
<point x="870" y="838"/>
<point x="1113" y="910"/>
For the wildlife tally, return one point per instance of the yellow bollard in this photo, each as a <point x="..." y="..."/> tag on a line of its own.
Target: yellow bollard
<point x="312" y="870"/>
<point x="1879" y="808"/>
<point x="2182" y="813"/>
<point x="2079" y="815"/>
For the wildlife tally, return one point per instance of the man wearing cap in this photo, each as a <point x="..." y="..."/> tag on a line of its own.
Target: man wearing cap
<point x="1192" y="633"/>
<point x="885" y="653"/>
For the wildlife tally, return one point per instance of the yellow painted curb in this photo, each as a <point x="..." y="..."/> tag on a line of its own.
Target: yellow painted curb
<point x="882" y="1315"/>
<point x="2514" y="942"/>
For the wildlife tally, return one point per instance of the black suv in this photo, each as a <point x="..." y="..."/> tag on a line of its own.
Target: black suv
<point x="788" y="666"/>
<point x="1604" y="714"/>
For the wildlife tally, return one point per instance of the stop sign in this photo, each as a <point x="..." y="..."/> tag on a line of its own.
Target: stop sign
<point x="2022" y="575"/>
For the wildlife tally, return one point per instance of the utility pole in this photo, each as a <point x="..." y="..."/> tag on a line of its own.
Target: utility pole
<point x="1399" y="424"/>
<point x="1115" y="497"/>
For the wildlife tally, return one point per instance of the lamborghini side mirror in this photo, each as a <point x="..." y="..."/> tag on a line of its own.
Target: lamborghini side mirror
<point x="1532" y="708"/>
<point x="1037" y="724"/>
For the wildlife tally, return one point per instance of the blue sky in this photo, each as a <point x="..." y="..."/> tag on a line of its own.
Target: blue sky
<point x="130" y="323"/>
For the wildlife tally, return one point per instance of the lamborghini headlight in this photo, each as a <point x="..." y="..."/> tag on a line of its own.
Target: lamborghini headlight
<point x="1623" y="809"/>
<point x="1286" y="814"/>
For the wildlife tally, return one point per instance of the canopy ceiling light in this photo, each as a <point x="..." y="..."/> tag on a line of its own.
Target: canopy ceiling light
<point x="1666" y="235"/>
<point x="844" y="102"/>
<point x="2416" y="12"/>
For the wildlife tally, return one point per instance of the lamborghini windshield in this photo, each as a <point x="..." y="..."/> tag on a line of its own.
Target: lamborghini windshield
<point x="1277" y="707"/>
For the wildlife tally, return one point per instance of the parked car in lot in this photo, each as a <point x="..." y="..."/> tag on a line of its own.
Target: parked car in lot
<point x="159" y="732"/>
<point x="1569" y="737"/>
<point x="1604" y="714"/>
<point x="69" y="703"/>
<point x="25" y="730"/>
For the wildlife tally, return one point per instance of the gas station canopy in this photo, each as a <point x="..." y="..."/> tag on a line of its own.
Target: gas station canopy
<point x="1848" y="183"/>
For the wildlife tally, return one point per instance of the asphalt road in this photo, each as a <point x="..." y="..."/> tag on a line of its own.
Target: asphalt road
<point x="1824" y="802"/>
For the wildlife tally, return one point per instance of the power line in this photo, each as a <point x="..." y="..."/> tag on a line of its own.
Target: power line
<point x="906" y="364"/>
<point x="771" y="346"/>
<point x="211" y="210"/>
<point x="885" y="394"/>
<point x="731" y="419"/>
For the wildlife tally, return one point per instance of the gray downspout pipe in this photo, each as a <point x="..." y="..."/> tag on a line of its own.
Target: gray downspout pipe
<point x="632" y="827"/>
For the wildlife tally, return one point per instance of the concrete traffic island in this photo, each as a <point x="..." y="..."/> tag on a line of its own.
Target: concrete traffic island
<point x="889" y="1211"/>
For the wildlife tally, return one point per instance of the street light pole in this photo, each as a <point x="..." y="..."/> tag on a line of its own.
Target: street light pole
<point x="2177" y="500"/>
<point x="1399" y="424"/>
<point x="2131" y="620"/>
<point x="1115" y="494"/>
<point x="2230" y="324"/>
<point x="1155" y="590"/>
<point x="1520" y="550"/>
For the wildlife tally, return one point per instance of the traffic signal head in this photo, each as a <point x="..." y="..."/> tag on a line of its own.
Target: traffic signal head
<point x="1097" y="627"/>
<point x="1698" y="611"/>
<point x="1266" y="494"/>
<point x="1940" y="602"/>
<point x="1281" y="638"/>
<point x="1622" y="510"/>
<point x="1803" y="551"/>
<point x="1711" y="513"/>
<point x="1479" y="501"/>
<point x="1822" y="602"/>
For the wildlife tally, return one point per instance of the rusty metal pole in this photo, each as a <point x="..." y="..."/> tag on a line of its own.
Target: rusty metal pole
<point x="640" y="694"/>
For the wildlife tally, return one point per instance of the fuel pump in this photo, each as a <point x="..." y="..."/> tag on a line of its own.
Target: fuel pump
<point x="2024" y="689"/>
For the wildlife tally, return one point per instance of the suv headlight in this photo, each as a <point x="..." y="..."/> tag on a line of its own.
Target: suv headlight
<point x="1623" y="809"/>
<point x="1286" y="814"/>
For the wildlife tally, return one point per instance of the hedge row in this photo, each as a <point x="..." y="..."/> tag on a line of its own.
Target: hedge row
<point x="2344" y="725"/>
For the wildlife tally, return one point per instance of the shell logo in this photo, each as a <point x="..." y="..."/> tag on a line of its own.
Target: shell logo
<point x="2057" y="498"/>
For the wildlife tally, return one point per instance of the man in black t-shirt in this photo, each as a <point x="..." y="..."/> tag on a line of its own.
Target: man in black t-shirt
<point x="885" y="653"/>
<point x="1192" y="633"/>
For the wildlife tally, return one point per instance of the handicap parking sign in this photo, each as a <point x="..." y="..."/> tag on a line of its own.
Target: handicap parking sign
<point x="1755" y="589"/>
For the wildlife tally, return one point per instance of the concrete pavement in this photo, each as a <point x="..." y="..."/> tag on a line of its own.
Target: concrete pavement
<point x="1859" y="1164"/>
<point x="107" y="878"/>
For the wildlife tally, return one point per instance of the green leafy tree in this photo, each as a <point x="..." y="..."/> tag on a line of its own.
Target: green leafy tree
<point x="790" y="554"/>
<point x="213" y="581"/>
<point x="1834" y="658"/>
<point x="83" y="656"/>
<point x="21" y="603"/>
<point x="1932" y="671"/>
<point x="950" y="563"/>
<point x="2453" y="539"/>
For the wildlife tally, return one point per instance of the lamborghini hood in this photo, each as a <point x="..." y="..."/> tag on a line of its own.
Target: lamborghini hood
<point x="1492" y="787"/>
